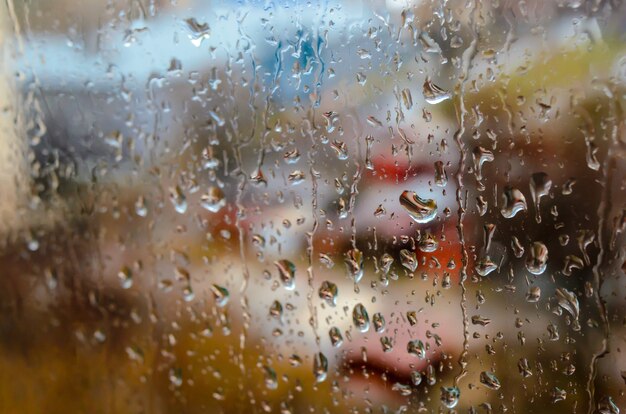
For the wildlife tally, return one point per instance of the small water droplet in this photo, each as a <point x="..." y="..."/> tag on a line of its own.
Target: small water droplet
<point x="220" y="294"/>
<point x="213" y="200"/>
<point x="126" y="277"/>
<point x="540" y="185"/>
<point x="178" y="199"/>
<point x="441" y="176"/>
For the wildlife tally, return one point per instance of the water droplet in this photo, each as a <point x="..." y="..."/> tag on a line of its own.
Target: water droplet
<point x="271" y="380"/>
<point x="276" y="310"/>
<point x="341" y="149"/>
<point x="524" y="368"/>
<point x="534" y="294"/>
<point x="328" y="291"/>
<point x="292" y="156"/>
<point x="516" y="245"/>
<point x="540" y="185"/>
<point x="220" y="294"/>
<point x="420" y="210"/>
<point x="320" y="367"/>
<point x="408" y="259"/>
<point x="361" y="318"/>
<point x="450" y="396"/>
<point x="296" y="177"/>
<point x="354" y="264"/>
<point x="287" y="273"/>
<point x="513" y="201"/>
<point x="481" y="155"/>
<point x="480" y="320"/>
<point x="326" y="260"/>
<point x="416" y="378"/>
<point x="441" y="176"/>
<point x="428" y="243"/>
<point x="386" y="343"/>
<point x="335" y="337"/>
<point x="484" y="266"/>
<point x="140" y="207"/>
<point x="489" y="380"/>
<point x="606" y="405"/>
<point x="568" y="301"/>
<point x="126" y="277"/>
<point x="178" y="199"/>
<point x="403" y="389"/>
<point x="407" y="98"/>
<point x="197" y="32"/>
<point x="411" y="316"/>
<point x="433" y="94"/>
<point x="416" y="347"/>
<point x="385" y="262"/>
<point x="214" y="200"/>
<point x="557" y="395"/>
<point x="379" y="322"/>
<point x="572" y="263"/>
<point x="537" y="260"/>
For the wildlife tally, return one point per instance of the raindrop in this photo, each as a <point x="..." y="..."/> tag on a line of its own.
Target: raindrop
<point x="360" y="318"/>
<point x="220" y="294"/>
<point x="537" y="260"/>
<point x="420" y="210"/>
<point x="320" y="367"/>
<point x="484" y="266"/>
<point x="450" y="396"/>
<point x="540" y="185"/>
<point x="328" y="291"/>
<point x="378" y="321"/>
<point x="287" y="273"/>
<point x="489" y="380"/>
<point x="214" y="200"/>
<point x="408" y="259"/>
<point x="416" y="347"/>
<point x="197" y="32"/>
<point x="354" y="264"/>
<point x="335" y="337"/>
<point x="513" y="201"/>
<point x="433" y="93"/>
<point x="441" y="176"/>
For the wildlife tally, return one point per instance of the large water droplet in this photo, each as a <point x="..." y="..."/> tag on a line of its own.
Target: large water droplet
<point x="197" y="31"/>
<point x="417" y="348"/>
<point x="336" y="339"/>
<point x="420" y="210"/>
<point x="433" y="94"/>
<point x="513" y="201"/>
<point x="213" y="200"/>
<point x="354" y="264"/>
<point x="320" y="367"/>
<point x="489" y="380"/>
<point x="328" y="291"/>
<point x="537" y="259"/>
<point x="450" y="396"/>
<point x="408" y="259"/>
<point x="360" y="318"/>
<point x="287" y="273"/>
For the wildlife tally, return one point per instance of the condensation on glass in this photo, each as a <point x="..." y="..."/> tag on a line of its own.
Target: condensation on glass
<point x="285" y="206"/>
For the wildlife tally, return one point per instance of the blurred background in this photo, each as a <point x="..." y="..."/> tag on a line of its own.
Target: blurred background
<point x="285" y="206"/>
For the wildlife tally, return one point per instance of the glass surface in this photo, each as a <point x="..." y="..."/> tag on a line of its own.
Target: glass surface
<point x="324" y="206"/>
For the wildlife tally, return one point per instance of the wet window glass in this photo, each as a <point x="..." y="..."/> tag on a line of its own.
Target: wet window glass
<point x="313" y="207"/>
